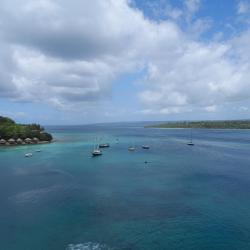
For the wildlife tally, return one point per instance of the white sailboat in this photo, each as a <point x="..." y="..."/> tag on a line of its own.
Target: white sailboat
<point x="96" y="151"/>
<point x="190" y="143"/>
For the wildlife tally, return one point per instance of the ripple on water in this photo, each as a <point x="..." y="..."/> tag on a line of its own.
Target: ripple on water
<point x="88" y="246"/>
<point x="33" y="196"/>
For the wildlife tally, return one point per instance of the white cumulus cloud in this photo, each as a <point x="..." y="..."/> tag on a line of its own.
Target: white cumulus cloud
<point x="70" y="53"/>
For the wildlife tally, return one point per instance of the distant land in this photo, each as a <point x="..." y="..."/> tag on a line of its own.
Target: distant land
<point x="12" y="133"/>
<point x="222" y="124"/>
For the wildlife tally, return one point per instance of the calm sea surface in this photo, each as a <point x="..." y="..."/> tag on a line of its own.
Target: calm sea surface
<point x="183" y="198"/>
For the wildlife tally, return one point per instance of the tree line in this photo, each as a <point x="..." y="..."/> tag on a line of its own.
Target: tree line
<point x="10" y="129"/>
<point x="226" y="124"/>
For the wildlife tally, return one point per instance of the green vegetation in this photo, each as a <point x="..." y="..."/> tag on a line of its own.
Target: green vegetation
<point x="227" y="124"/>
<point x="10" y="129"/>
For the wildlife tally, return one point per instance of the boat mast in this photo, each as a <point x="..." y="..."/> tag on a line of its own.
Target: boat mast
<point x="191" y="136"/>
<point x="95" y="143"/>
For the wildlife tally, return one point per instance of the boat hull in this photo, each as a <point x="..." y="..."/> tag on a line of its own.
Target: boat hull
<point x="106" y="145"/>
<point x="131" y="149"/>
<point x="97" y="153"/>
<point x="94" y="154"/>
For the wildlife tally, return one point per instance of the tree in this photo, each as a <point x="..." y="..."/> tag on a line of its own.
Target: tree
<point x="9" y="129"/>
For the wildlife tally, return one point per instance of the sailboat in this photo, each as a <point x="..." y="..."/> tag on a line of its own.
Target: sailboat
<point x="96" y="151"/>
<point x="190" y="143"/>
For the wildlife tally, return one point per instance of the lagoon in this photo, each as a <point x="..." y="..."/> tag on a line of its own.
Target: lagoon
<point x="183" y="198"/>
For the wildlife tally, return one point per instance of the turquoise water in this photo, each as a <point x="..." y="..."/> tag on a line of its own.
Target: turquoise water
<point x="183" y="198"/>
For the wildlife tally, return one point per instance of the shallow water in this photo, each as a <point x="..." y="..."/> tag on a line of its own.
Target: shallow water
<point x="183" y="198"/>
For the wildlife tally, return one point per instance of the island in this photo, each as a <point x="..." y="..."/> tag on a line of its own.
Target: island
<point x="12" y="133"/>
<point x="217" y="124"/>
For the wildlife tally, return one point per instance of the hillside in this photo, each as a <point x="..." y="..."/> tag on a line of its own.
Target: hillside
<point x="32" y="133"/>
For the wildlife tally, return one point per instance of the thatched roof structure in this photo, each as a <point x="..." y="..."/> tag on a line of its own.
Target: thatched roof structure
<point x="2" y="141"/>
<point x="36" y="140"/>
<point x="28" y="140"/>
<point x="19" y="141"/>
<point x="11" y="141"/>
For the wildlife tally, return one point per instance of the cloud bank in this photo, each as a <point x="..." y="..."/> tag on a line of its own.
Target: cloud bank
<point x="70" y="53"/>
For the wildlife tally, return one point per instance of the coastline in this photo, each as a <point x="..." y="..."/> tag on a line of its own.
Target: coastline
<point x="203" y="124"/>
<point x="162" y="127"/>
<point x="200" y="128"/>
<point x="15" y="134"/>
<point x="24" y="144"/>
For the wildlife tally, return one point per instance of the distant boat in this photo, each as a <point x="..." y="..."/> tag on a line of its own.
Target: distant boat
<point x="96" y="151"/>
<point x="190" y="143"/>
<point x="38" y="150"/>
<point x="131" y="148"/>
<point x="145" y="146"/>
<point x="28" y="155"/>
<point x="104" y="145"/>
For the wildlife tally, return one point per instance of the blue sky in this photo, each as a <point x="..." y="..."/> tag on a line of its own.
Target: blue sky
<point x="83" y="62"/>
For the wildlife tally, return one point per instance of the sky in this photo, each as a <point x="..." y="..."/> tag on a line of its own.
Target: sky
<point x="91" y="61"/>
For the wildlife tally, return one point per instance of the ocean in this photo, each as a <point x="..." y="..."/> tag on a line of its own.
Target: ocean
<point x="171" y="196"/>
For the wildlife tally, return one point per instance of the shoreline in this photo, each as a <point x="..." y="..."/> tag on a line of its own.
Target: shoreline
<point x="24" y="144"/>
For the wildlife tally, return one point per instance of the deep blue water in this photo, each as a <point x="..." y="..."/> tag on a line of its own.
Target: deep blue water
<point x="183" y="198"/>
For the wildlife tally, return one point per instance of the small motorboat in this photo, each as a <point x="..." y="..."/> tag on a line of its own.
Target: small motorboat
<point x="145" y="146"/>
<point x="38" y="150"/>
<point x="96" y="152"/>
<point x="190" y="143"/>
<point x="104" y="145"/>
<point x="131" y="148"/>
<point x="28" y="155"/>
